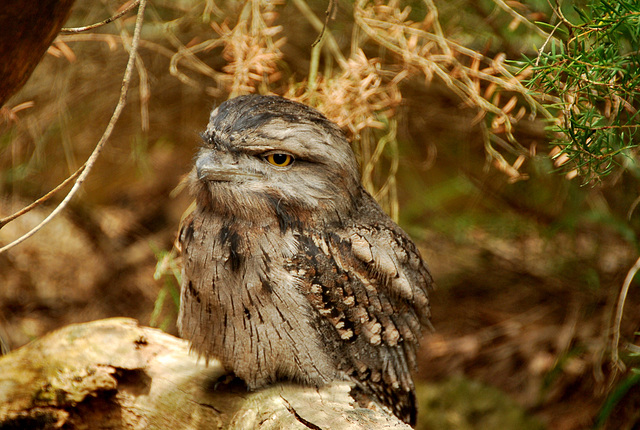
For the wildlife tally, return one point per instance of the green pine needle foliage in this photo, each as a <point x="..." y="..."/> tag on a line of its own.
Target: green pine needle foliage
<point x="592" y="71"/>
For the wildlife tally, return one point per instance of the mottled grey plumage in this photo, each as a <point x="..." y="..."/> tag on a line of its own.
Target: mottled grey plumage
<point x="295" y="273"/>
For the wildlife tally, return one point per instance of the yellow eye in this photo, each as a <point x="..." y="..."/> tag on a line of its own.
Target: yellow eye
<point x="280" y="160"/>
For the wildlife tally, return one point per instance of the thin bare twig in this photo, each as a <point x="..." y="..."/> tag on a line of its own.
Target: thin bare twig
<point x="332" y="45"/>
<point x="615" y="357"/>
<point x="67" y="30"/>
<point x="544" y="45"/>
<point x="24" y="210"/>
<point x="329" y="13"/>
<point x="88" y="166"/>
<point x="143" y="76"/>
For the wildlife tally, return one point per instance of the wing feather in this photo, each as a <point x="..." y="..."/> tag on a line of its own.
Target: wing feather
<point x="369" y="287"/>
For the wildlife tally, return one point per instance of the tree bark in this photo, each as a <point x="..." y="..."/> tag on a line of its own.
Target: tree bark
<point x="115" y="374"/>
<point x="27" y="29"/>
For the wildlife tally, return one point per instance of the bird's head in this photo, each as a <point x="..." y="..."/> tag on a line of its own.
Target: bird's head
<point x="269" y="156"/>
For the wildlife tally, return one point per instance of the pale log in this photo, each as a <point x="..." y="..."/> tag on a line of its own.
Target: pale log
<point x="116" y="374"/>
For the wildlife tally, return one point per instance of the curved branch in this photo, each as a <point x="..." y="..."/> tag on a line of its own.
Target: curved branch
<point x="88" y="166"/>
<point x="24" y="210"/>
<point x="619" y="311"/>
<point x="73" y="30"/>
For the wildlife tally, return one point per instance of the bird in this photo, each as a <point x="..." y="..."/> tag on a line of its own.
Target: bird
<point x="292" y="272"/>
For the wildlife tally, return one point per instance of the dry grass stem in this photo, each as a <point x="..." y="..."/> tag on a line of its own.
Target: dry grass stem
<point x="195" y="64"/>
<point x="113" y="40"/>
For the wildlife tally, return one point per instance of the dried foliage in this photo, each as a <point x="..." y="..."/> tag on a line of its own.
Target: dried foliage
<point x="361" y="92"/>
<point x="362" y="89"/>
<point x="251" y="48"/>
<point x="480" y="82"/>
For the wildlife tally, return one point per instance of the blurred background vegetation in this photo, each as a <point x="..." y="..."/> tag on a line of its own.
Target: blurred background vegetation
<point x="500" y="134"/>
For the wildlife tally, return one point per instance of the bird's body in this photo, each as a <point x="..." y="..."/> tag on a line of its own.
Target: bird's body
<point x="292" y="272"/>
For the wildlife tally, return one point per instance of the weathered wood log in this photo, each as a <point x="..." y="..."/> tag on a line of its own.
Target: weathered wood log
<point x="115" y="374"/>
<point x="27" y="29"/>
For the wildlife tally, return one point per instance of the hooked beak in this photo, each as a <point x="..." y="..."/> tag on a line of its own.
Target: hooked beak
<point x="224" y="169"/>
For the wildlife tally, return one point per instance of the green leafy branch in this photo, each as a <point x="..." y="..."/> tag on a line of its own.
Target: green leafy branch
<point x="593" y="69"/>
